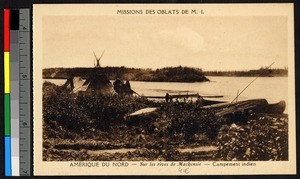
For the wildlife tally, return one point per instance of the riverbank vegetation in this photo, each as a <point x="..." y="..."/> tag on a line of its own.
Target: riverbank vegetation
<point x="95" y="127"/>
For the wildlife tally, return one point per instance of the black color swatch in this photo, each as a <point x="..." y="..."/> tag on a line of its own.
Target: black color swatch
<point x="14" y="20"/>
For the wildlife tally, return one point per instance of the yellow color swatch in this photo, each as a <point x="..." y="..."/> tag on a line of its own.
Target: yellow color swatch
<point x="6" y="73"/>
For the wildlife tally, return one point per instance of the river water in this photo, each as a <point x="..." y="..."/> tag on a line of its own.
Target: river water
<point x="273" y="89"/>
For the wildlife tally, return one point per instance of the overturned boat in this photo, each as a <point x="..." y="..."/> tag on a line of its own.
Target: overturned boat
<point x="254" y="105"/>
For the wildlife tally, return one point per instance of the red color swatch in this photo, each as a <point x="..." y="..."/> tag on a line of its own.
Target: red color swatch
<point x="6" y="30"/>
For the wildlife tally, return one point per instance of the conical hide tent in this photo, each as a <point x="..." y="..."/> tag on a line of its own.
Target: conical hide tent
<point x="95" y="84"/>
<point x="74" y="83"/>
<point x="98" y="84"/>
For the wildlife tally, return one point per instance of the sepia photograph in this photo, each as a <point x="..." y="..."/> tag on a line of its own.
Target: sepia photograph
<point x="164" y="84"/>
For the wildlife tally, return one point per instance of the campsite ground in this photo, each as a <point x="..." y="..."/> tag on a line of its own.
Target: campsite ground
<point x="89" y="127"/>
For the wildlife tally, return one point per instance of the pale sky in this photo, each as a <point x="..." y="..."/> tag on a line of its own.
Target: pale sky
<point x="210" y="43"/>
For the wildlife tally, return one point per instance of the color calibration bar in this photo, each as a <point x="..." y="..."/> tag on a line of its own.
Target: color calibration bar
<point x="7" y="112"/>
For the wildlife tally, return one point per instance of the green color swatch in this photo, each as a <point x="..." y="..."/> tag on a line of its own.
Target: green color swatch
<point x="7" y="115"/>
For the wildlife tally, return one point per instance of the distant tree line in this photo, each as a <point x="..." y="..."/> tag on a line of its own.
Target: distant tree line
<point x="168" y="74"/>
<point x="263" y="71"/>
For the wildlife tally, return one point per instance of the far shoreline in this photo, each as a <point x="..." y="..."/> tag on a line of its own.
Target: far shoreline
<point x="167" y="74"/>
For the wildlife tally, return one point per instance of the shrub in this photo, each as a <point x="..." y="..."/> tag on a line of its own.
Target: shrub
<point x="87" y="111"/>
<point x="262" y="138"/>
<point x="187" y="119"/>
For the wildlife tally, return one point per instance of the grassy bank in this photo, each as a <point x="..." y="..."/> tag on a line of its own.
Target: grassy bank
<point x="76" y="125"/>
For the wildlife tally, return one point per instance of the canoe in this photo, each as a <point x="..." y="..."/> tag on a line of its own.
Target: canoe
<point x="255" y="105"/>
<point x="182" y="96"/>
<point x="205" y="100"/>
